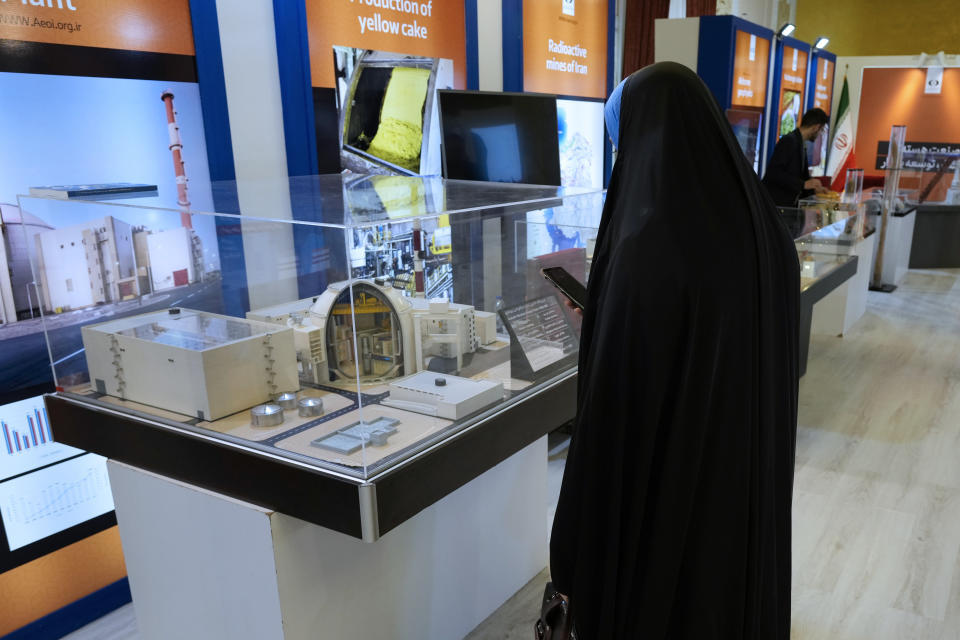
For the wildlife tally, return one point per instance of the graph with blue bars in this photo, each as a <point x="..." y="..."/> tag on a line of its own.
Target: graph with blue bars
<point x="32" y="432"/>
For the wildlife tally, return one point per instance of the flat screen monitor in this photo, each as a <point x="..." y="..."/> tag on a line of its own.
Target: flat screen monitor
<point x="746" y="125"/>
<point x="500" y="137"/>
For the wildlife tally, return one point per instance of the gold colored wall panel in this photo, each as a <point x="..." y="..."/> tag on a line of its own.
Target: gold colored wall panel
<point x="881" y="27"/>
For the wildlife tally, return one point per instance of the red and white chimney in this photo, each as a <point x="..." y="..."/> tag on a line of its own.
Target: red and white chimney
<point x="175" y="148"/>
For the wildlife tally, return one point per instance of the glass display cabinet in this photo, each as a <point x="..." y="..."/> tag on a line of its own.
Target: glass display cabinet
<point x="929" y="176"/>
<point x="826" y="232"/>
<point x="930" y="186"/>
<point x="834" y="242"/>
<point x="347" y="358"/>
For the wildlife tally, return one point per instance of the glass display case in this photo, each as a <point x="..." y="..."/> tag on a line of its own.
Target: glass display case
<point x="348" y="332"/>
<point x="829" y="236"/>
<point x="928" y="176"/>
<point x="825" y="232"/>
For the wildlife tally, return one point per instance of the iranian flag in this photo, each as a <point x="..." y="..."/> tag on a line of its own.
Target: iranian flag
<point x="841" y="151"/>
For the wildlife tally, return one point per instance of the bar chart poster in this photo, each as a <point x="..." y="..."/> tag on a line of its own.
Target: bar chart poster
<point x="26" y="442"/>
<point x="40" y="504"/>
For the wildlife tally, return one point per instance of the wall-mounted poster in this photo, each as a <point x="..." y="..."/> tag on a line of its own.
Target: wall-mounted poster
<point x="823" y="84"/>
<point x="348" y="37"/>
<point x="100" y="92"/>
<point x="433" y="29"/>
<point x="581" y="142"/>
<point x="750" y="63"/>
<point x="122" y="25"/>
<point x="565" y="47"/>
<point x="389" y="121"/>
<point x="792" y="82"/>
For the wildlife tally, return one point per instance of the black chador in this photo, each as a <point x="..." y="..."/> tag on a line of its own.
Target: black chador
<point x="674" y="516"/>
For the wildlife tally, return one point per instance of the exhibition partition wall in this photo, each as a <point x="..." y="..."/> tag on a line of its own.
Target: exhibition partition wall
<point x="566" y="49"/>
<point x="823" y="67"/>
<point x="788" y="90"/>
<point x="101" y="94"/>
<point x="349" y="70"/>
<point x="732" y="56"/>
<point x="322" y="49"/>
<point x="899" y="96"/>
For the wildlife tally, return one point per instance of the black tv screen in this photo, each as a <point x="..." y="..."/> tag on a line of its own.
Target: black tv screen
<point x="500" y="137"/>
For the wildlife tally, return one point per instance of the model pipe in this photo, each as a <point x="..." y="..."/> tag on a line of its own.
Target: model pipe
<point x="175" y="148"/>
<point x="418" y="259"/>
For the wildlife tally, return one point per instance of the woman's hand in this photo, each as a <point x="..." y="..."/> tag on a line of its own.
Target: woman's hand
<point x="570" y="304"/>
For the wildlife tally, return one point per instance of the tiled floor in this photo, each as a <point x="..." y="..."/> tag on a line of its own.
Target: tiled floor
<point x="877" y="505"/>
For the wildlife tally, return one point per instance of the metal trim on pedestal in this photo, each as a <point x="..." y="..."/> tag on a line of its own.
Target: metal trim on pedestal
<point x="363" y="509"/>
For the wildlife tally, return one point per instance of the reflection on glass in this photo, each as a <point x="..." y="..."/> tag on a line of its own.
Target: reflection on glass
<point x="392" y="289"/>
<point x="188" y="330"/>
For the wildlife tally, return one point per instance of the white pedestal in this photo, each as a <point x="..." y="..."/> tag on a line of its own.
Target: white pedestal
<point x="202" y="565"/>
<point x="842" y="307"/>
<point x="896" y="252"/>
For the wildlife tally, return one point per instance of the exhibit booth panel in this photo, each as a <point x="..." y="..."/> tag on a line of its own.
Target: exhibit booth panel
<point x="826" y="234"/>
<point x="831" y="233"/>
<point x="830" y="238"/>
<point x="404" y="312"/>
<point x="733" y="57"/>
<point x="822" y="70"/>
<point x="788" y="90"/>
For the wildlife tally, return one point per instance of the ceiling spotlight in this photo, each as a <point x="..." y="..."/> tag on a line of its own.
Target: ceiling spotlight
<point x="786" y="30"/>
<point x="821" y="43"/>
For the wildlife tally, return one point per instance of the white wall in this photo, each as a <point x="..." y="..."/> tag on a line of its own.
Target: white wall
<point x="677" y="40"/>
<point x="8" y="310"/>
<point x="169" y="251"/>
<point x="251" y="73"/>
<point x="762" y="12"/>
<point x="65" y="259"/>
<point x="490" y="37"/>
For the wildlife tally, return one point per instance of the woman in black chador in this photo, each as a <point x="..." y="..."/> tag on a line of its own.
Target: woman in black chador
<point x="674" y="516"/>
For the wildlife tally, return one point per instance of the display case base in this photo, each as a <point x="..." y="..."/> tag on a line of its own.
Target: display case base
<point x="898" y="245"/>
<point x="883" y="288"/>
<point x="840" y="309"/>
<point x="812" y="294"/>
<point x="204" y="565"/>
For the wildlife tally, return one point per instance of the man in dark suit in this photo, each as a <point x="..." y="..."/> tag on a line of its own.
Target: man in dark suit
<point x="787" y="178"/>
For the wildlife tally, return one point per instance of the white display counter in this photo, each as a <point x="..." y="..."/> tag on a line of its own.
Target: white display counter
<point x="204" y="565"/>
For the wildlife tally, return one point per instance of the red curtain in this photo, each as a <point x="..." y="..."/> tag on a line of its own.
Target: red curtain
<point x="697" y="8"/>
<point x="638" y="32"/>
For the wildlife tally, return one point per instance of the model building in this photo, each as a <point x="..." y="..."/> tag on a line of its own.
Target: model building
<point x="395" y="335"/>
<point x="436" y="394"/>
<point x="191" y="362"/>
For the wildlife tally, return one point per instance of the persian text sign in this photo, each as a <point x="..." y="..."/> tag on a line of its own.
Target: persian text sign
<point x="157" y="26"/>
<point x="565" y="47"/>
<point x="750" y="63"/>
<point x="434" y="29"/>
<point x="823" y="84"/>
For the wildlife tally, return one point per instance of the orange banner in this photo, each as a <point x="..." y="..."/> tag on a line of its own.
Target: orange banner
<point x="157" y="26"/>
<point x="792" y="80"/>
<point x="823" y="85"/>
<point x="565" y="47"/>
<point x="895" y="95"/>
<point x="750" y="63"/>
<point x="434" y="29"/>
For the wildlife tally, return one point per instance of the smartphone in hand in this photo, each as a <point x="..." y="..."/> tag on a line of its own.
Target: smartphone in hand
<point x="569" y="286"/>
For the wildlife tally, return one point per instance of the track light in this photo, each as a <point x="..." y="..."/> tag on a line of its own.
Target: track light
<point x="786" y="30"/>
<point x="821" y="43"/>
